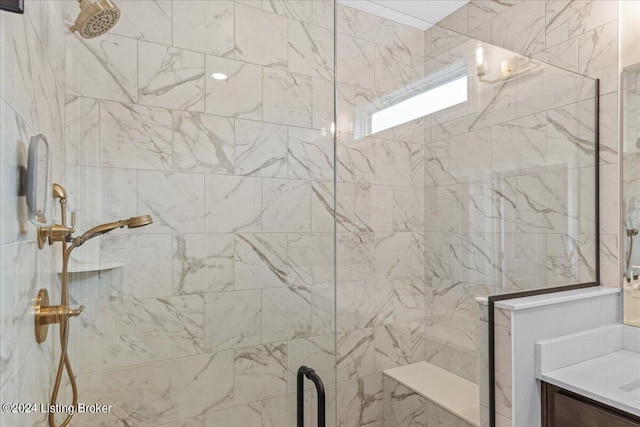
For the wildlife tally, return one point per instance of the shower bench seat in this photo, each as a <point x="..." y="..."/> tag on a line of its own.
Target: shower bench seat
<point x="425" y="394"/>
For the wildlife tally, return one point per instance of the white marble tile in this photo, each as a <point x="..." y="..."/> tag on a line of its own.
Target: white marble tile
<point x="240" y="416"/>
<point x="161" y="329"/>
<point x="323" y="104"/>
<point x="409" y="39"/>
<point x="481" y="11"/>
<point x="393" y="162"/>
<point x="408" y="209"/>
<point x="323" y="309"/>
<point x="260" y="37"/>
<point x="82" y="123"/>
<point x="175" y="200"/>
<point x="402" y="406"/>
<point x="571" y="135"/>
<point x="392" y="255"/>
<point x="355" y="354"/>
<point x="311" y="258"/>
<point x="47" y="18"/>
<point x="149" y="20"/>
<point x="260" y="372"/>
<point x="286" y="205"/>
<point x="18" y="266"/>
<point x="203" y="263"/>
<point x="170" y="77"/>
<point x="260" y="149"/>
<point x="316" y="352"/>
<point x="134" y="136"/>
<point x="238" y="96"/>
<point x="310" y="50"/>
<point x="345" y="19"/>
<point x="322" y="207"/>
<point x="261" y="260"/>
<point x="470" y="156"/>
<point x="519" y="145"/>
<point x="356" y="59"/>
<point x="570" y="259"/>
<point x="102" y="67"/>
<point x="355" y="163"/>
<point x="323" y="13"/>
<point x="232" y="319"/>
<point x="471" y="258"/>
<point x="286" y="313"/>
<point x="300" y="10"/>
<point x="203" y="143"/>
<point x="543" y="202"/>
<point x="392" y="69"/>
<point x="310" y="154"/>
<point x="287" y="98"/>
<point x="148" y="259"/>
<point x="204" y="26"/>
<point x="563" y="55"/>
<point x="598" y="56"/>
<point x="373" y="303"/>
<point x="399" y="344"/>
<point x="520" y="28"/>
<point x="355" y="254"/>
<point x="565" y="20"/>
<point x="374" y="28"/>
<point x="359" y="402"/>
<point x="232" y="204"/>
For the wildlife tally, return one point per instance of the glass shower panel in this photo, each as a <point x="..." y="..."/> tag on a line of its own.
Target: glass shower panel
<point x="462" y="195"/>
<point x="221" y="129"/>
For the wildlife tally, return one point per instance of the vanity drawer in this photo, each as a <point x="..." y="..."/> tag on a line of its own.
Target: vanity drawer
<point x="562" y="408"/>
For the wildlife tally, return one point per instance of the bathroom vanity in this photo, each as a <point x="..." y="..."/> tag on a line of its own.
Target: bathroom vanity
<point x="591" y="378"/>
<point x="563" y="408"/>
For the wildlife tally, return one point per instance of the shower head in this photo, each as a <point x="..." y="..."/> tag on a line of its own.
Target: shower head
<point x="98" y="230"/>
<point x="95" y="18"/>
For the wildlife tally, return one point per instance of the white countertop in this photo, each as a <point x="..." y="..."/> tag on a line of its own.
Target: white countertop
<point x="451" y="392"/>
<point x="613" y="379"/>
<point x="554" y="298"/>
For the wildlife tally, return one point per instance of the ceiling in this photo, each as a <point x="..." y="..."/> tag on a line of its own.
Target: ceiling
<point x="420" y="14"/>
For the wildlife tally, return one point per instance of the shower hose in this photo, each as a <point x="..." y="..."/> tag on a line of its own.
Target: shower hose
<point x="64" y="342"/>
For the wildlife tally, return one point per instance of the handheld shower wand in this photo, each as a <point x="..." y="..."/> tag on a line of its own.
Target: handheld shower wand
<point x="46" y="314"/>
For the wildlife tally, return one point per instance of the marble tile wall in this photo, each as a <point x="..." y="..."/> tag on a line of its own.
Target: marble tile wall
<point x="380" y="216"/>
<point x="232" y="288"/>
<point x="31" y="102"/>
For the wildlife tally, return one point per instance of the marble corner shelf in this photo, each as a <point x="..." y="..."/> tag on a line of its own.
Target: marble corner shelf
<point x="87" y="267"/>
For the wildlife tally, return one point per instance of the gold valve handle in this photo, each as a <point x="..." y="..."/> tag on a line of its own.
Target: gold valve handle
<point x="46" y="314"/>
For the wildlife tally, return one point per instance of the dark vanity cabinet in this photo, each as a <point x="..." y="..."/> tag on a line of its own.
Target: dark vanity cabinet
<point x="562" y="408"/>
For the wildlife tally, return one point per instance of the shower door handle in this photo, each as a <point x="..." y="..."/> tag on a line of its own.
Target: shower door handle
<point x="305" y="371"/>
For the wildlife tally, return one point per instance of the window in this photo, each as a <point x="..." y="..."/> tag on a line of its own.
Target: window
<point x="435" y="92"/>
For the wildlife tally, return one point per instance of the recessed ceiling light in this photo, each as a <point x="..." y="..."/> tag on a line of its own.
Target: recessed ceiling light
<point x="219" y="76"/>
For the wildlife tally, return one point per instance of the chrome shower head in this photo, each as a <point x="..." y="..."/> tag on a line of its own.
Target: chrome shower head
<point x="95" y="18"/>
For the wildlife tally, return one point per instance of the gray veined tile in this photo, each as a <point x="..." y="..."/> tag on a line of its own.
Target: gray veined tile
<point x="481" y="11"/>
<point x="260" y="149"/>
<point x="102" y="68"/>
<point x="149" y="20"/>
<point x="359" y="402"/>
<point x="261" y="260"/>
<point x="392" y="255"/>
<point x="232" y="204"/>
<point x="203" y="143"/>
<point x="260" y="37"/>
<point x="134" y="136"/>
<point x="204" y="26"/>
<point x="286" y="205"/>
<point x="310" y="154"/>
<point x="170" y="77"/>
<point x="598" y="56"/>
<point x="355" y="354"/>
<point x="357" y="58"/>
<point x="571" y="135"/>
<point x="519" y="145"/>
<point x="393" y="68"/>
<point x="570" y="19"/>
<point x="82" y="122"/>
<point x="240" y="416"/>
<point x="310" y="50"/>
<point x="287" y="98"/>
<point x="203" y="263"/>
<point x="260" y="372"/>
<point x="520" y="28"/>
<point x="374" y="28"/>
<point x="311" y="258"/>
<point x="373" y="303"/>
<point x="355" y="254"/>
<point x="232" y="319"/>
<point x="316" y="352"/>
<point x="175" y="200"/>
<point x="238" y="96"/>
<point x="299" y="10"/>
<point x="399" y="344"/>
<point x="286" y="313"/>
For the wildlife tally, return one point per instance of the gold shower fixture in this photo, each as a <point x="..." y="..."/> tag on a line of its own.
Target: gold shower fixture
<point x="46" y="314"/>
<point x="95" y="18"/>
